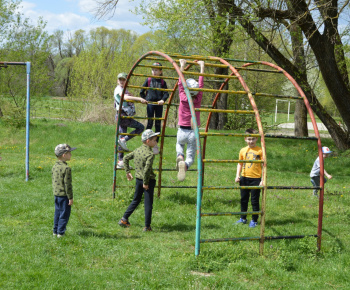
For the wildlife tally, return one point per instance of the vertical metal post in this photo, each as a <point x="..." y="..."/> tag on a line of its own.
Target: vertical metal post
<point x="276" y="111"/>
<point x="27" y="120"/>
<point x="288" y="109"/>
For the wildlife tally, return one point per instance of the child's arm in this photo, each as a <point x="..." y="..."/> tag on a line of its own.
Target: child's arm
<point x="165" y="95"/>
<point x="126" y="160"/>
<point x="327" y="175"/>
<point x="147" y="171"/>
<point x="182" y="64"/>
<point x="201" y="65"/>
<point x="132" y="98"/>
<point x="143" y="91"/>
<point x="239" y="170"/>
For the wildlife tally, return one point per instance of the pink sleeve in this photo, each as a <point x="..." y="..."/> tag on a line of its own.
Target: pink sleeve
<point x="182" y="93"/>
<point x="198" y="100"/>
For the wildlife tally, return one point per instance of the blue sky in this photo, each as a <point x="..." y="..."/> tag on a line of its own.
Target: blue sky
<point x="71" y="15"/>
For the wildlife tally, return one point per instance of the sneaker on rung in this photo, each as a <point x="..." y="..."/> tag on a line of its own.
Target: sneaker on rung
<point x="120" y="164"/>
<point x="122" y="143"/>
<point x="124" y="223"/>
<point x="253" y="224"/>
<point x="241" y="221"/>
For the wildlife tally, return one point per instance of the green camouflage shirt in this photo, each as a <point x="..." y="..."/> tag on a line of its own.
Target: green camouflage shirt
<point x="62" y="179"/>
<point x="143" y="163"/>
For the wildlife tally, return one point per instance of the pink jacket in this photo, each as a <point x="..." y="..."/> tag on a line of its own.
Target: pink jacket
<point x="184" y="108"/>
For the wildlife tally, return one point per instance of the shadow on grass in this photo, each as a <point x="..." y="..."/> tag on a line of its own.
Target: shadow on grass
<point x="105" y="235"/>
<point x="177" y="228"/>
<point x="182" y="198"/>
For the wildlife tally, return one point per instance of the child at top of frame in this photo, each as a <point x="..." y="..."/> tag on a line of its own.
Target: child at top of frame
<point x="315" y="171"/>
<point x="185" y="133"/>
<point x="249" y="174"/>
<point x="128" y="109"/>
<point x="62" y="189"/>
<point x="145" y="178"/>
<point x="155" y="96"/>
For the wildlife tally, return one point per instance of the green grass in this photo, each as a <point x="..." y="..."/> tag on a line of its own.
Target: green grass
<point x="97" y="254"/>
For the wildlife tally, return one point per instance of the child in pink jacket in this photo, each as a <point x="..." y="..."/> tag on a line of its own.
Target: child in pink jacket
<point x="185" y="133"/>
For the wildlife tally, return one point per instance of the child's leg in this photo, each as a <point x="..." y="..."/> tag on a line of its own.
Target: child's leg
<point x="245" y="193"/>
<point x="255" y="197"/>
<point x="191" y="148"/>
<point x="64" y="215"/>
<point x="158" y="114"/>
<point x="315" y="180"/>
<point x="56" y="216"/>
<point x="137" y="198"/>
<point x="150" y="114"/>
<point x="138" y="128"/>
<point x="149" y="202"/>
<point x="181" y="140"/>
<point x="122" y="129"/>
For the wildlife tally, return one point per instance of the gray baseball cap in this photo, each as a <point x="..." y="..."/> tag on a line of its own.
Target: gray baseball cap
<point x="148" y="134"/>
<point x="63" y="148"/>
<point x="122" y="76"/>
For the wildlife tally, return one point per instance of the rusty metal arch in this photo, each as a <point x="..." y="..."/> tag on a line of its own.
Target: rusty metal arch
<point x="170" y="58"/>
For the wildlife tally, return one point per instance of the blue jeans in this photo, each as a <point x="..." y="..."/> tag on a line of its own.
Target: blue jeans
<point x="315" y="180"/>
<point x="62" y="214"/>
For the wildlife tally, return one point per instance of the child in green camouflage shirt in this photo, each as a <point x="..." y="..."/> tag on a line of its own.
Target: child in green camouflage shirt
<point x="62" y="189"/>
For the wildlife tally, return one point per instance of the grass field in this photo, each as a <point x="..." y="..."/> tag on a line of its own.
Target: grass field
<point x="97" y="254"/>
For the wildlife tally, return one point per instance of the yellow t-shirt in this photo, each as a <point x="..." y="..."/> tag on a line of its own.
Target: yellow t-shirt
<point x="252" y="170"/>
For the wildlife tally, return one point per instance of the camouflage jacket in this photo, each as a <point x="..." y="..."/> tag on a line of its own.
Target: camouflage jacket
<point x="62" y="179"/>
<point x="143" y="163"/>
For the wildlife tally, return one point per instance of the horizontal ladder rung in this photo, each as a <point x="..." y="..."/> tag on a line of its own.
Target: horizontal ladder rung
<point x="231" y="161"/>
<point x="289" y="137"/>
<point x="229" y="239"/>
<point x="145" y="118"/>
<point x="294" y="187"/>
<point x="148" y="88"/>
<point x="255" y="238"/>
<point x="231" y="213"/>
<point x="225" y="111"/>
<point x="277" y="96"/>
<point x="232" y="187"/>
<point x="228" y="134"/>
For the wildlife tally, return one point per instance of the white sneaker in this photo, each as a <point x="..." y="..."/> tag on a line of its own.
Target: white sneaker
<point x="122" y="143"/>
<point x="178" y="159"/>
<point x="155" y="150"/>
<point x="181" y="175"/>
<point x="60" y="236"/>
<point x="120" y="164"/>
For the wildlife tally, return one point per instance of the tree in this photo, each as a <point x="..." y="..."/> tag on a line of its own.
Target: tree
<point x="319" y="22"/>
<point x="263" y="20"/>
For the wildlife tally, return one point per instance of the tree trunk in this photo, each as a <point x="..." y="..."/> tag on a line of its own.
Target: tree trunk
<point x="219" y="120"/>
<point x="300" y="113"/>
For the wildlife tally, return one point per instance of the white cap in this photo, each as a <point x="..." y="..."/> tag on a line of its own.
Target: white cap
<point x="326" y="150"/>
<point x="192" y="84"/>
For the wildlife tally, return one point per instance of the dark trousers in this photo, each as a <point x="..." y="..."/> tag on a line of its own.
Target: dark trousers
<point x="123" y="128"/>
<point x="245" y="194"/>
<point x="62" y="214"/>
<point x="157" y="112"/>
<point x="139" y="190"/>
